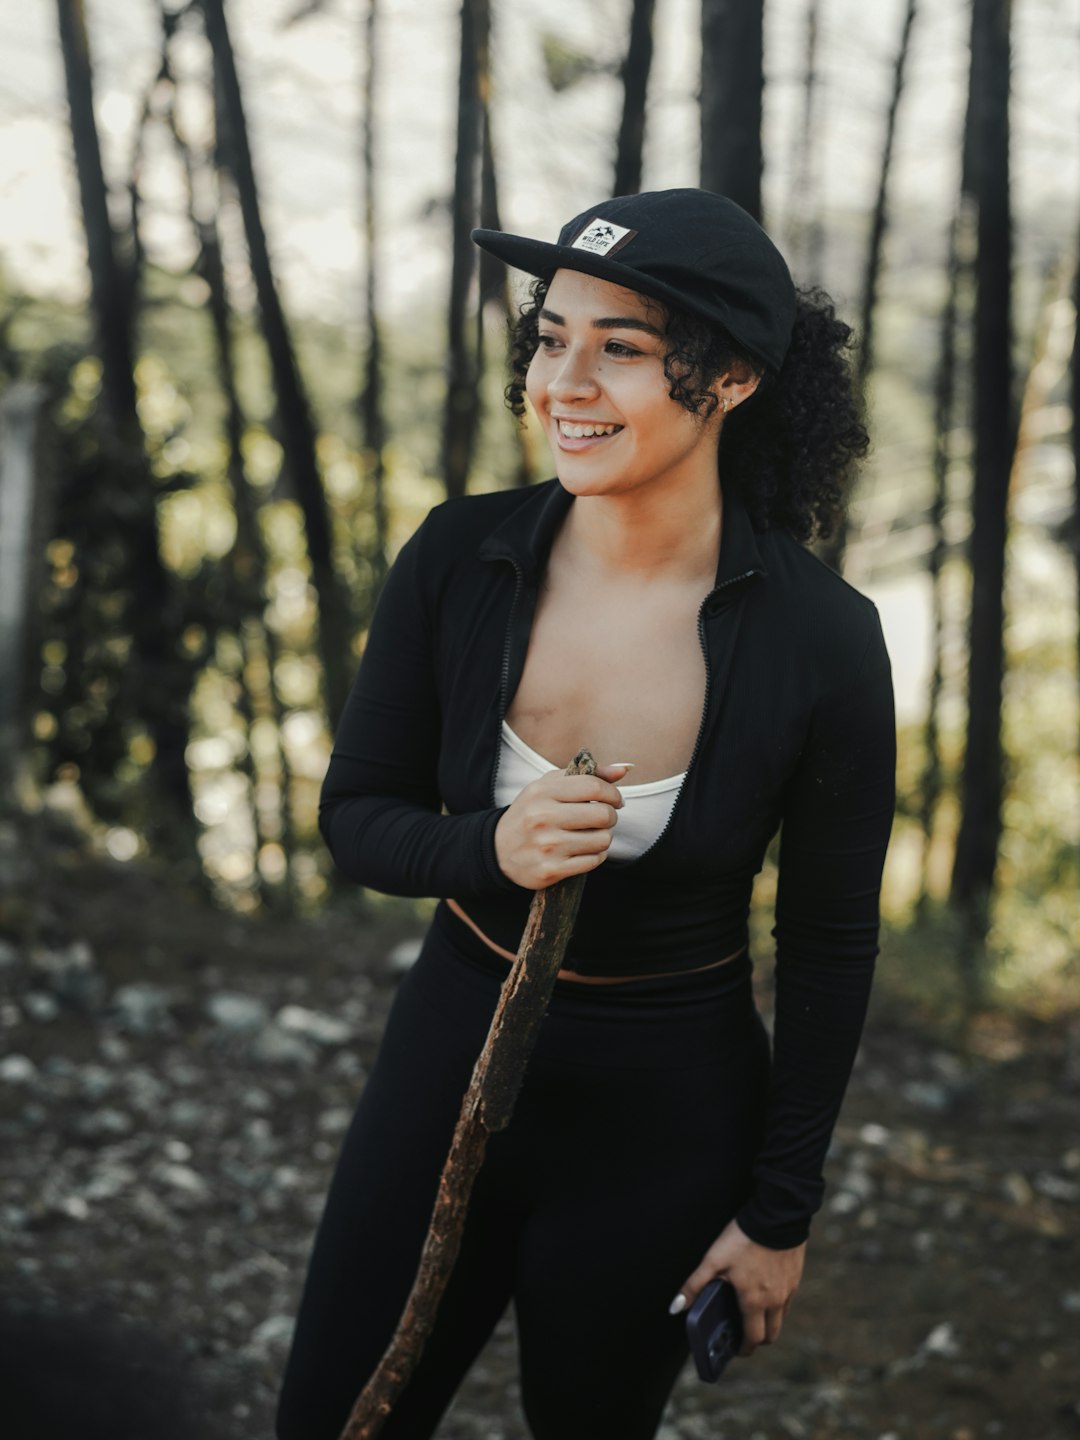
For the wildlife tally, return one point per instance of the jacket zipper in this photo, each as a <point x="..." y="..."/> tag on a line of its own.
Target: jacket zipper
<point x="505" y="681"/>
<point x="704" y="711"/>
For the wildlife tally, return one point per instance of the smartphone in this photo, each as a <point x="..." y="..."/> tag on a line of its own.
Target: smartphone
<point x="714" y="1327"/>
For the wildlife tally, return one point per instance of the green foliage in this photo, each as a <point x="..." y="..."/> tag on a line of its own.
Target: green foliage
<point x="565" y="65"/>
<point x="90" y="692"/>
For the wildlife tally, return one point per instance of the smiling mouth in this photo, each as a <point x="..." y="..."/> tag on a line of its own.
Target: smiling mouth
<point x="581" y="430"/>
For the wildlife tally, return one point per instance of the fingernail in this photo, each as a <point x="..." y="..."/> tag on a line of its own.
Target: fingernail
<point x="626" y="764"/>
<point x="678" y="1305"/>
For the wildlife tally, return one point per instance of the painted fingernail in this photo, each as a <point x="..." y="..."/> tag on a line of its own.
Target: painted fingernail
<point x="678" y="1305"/>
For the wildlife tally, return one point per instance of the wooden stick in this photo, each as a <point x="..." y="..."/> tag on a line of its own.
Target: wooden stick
<point x="486" y="1108"/>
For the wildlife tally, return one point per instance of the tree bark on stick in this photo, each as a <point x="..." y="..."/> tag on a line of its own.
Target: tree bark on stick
<point x="487" y="1108"/>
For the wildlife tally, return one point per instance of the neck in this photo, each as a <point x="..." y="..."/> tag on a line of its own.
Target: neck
<point x="650" y="532"/>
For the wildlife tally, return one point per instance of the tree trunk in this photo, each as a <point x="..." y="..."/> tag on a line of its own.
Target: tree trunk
<point x="995" y="429"/>
<point x="294" y="412"/>
<point x="247" y="565"/>
<point x="732" y="82"/>
<point x="110" y="294"/>
<point x="1074" y="395"/>
<point x="372" y="417"/>
<point x="24" y="531"/>
<point x="494" y="283"/>
<point x="462" y="415"/>
<point x="635" y="78"/>
<point x="832" y="552"/>
<point x="879" y="221"/>
<point x="495" y="293"/>
<point x="930" y="787"/>
<point x="156" y="612"/>
<point x="808" y="239"/>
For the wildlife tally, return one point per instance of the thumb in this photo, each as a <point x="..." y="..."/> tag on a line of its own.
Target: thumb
<point x="693" y="1286"/>
<point x="615" y="771"/>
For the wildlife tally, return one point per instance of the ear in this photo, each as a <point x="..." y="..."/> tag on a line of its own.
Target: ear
<point x="735" y="386"/>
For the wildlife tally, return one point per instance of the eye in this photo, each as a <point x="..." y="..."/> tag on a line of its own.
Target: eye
<point x="619" y="350"/>
<point x="547" y="342"/>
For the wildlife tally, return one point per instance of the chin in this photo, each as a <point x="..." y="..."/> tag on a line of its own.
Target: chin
<point x="578" y="484"/>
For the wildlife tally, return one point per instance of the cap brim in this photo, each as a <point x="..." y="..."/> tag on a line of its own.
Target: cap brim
<point x="536" y="257"/>
<point x="542" y="258"/>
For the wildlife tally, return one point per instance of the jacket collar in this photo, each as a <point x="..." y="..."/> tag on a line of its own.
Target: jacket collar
<point x="525" y="536"/>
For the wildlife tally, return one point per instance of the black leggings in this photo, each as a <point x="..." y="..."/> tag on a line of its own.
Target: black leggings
<point x="628" y="1152"/>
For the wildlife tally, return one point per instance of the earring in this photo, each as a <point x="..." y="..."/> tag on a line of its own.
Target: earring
<point x="727" y="403"/>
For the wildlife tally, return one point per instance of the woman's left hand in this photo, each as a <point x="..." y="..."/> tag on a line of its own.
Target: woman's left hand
<point x="765" y="1281"/>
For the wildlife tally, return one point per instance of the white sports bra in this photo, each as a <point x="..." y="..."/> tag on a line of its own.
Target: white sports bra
<point x="641" y="820"/>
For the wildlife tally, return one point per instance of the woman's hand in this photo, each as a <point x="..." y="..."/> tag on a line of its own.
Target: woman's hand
<point x="765" y="1281"/>
<point x="558" y="825"/>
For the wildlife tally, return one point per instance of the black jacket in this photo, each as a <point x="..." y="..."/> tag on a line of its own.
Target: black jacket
<point x="798" y="732"/>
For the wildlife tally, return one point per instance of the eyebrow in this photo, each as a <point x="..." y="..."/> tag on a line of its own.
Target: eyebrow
<point x="609" y="322"/>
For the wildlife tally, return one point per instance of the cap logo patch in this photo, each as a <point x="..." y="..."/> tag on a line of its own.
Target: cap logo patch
<point x="602" y="237"/>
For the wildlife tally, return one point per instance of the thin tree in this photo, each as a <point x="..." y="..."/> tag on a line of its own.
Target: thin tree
<point x="293" y="408"/>
<point x="732" y="84"/>
<point x="372" y="416"/>
<point x="461" y="417"/>
<point x="833" y="549"/>
<point x="931" y="782"/>
<point x="110" y="286"/>
<point x="26" y="504"/>
<point x="495" y="297"/>
<point x="982" y="782"/>
<point x="955" y="317"/>
<point x="246" y="566"/>
<point x="806" y="227"/>
<point x="1074" y="396"/>
<point x="880" y="218"/>
<point x="635" y="80"/>
<point x="156" y="611"/>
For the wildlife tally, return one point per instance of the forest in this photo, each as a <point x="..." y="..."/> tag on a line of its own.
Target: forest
<point x="246" y="344"/>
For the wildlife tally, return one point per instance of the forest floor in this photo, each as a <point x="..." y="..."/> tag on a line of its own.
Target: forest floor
<point x="174" y="1082"/>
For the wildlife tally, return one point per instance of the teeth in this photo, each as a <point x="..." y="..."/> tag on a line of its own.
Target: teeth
<point x="584" y="432"/>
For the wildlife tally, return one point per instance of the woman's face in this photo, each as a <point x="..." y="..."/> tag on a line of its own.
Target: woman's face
<point x="597" y="384"/>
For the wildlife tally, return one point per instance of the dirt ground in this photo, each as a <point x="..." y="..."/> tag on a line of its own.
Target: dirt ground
<point x="174" y="1082"/>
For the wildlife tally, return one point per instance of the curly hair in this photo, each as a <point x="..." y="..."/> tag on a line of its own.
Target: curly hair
<point x="793" y="447"/>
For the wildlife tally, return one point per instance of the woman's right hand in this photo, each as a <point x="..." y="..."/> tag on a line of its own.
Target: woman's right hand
<point x="558" y="825"/>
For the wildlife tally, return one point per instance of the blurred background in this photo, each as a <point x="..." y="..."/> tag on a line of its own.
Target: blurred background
<point x="245" y="345"/>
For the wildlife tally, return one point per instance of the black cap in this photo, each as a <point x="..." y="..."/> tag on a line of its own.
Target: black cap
<point x="690" y="248"/>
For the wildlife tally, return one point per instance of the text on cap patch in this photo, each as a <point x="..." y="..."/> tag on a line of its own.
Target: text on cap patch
<point x="602" y="237"/>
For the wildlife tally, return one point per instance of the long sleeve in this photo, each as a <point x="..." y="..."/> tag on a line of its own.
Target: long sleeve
<point x="835" y="831"/>
<point x="380" y="809"/>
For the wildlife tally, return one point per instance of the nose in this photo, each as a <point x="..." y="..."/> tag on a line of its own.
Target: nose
<point x="573" y="379"/>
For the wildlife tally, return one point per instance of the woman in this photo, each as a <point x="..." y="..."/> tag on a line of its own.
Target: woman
<point x="636" y="606"/>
